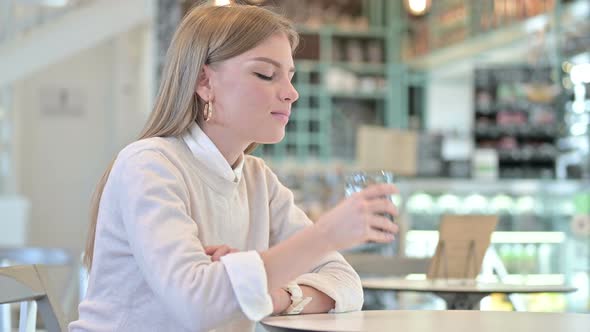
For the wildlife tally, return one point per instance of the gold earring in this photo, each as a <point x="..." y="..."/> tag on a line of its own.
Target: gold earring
<point x="208" y="111"/>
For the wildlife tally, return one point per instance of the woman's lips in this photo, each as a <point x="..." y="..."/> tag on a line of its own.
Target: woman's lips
<point x="281" y="116"/>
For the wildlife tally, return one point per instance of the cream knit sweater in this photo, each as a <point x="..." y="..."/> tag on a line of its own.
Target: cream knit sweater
<point x="165" y="200"/>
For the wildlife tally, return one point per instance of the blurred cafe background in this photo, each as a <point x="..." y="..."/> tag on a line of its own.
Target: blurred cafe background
<point x="476" y="107"/>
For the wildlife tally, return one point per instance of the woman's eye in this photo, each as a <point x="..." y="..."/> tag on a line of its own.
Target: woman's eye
<point x="263" y="77"/>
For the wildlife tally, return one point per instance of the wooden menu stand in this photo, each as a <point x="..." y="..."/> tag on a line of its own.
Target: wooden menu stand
<point x="463" y="241"/>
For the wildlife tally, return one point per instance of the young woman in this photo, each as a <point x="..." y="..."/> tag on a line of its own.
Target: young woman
<point x="190" y="233"/>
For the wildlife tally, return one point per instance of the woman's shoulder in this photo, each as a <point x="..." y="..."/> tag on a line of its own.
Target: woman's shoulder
<point x="257" y="167"/>
<point x="164" y="145"/>
<point x="251" y="161"/>
<point x="169" y="148"/>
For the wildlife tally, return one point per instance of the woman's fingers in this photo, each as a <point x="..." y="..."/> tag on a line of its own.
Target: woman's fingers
<point x="379" y="190"/>
<point x="210" y="250"/>
<point x="361" y="218"/>
<point x="382" y="230"/>
<point x="382" y="205"/>
<point x="382" y="224"/>
<point x="218" y="251"/>
<point x="380" y="237"/>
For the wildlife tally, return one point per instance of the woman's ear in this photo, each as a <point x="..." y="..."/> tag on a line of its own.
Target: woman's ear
<point x="203" y="88"/>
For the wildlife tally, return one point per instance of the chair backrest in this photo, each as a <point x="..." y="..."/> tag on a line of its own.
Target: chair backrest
<point x="376" y="265"/>
<point x="14" y="220"/>
<point x="30" y="283"/>
<point x="70" y="294"/>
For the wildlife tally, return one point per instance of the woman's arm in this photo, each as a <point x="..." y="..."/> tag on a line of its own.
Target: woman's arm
<point x="330" y="274"/>
<point x="281" y="299"/>
<point x="152" y="199"/>
<point x="320" y="303"/>
<point x="352" y="222"/>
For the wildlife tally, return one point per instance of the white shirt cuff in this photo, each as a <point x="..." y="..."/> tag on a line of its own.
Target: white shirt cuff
<point x="248" y="279"/>
<point x="316" y="281"/>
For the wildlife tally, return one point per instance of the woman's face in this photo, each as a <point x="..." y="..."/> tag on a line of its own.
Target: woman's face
<point x="252" y="92"/>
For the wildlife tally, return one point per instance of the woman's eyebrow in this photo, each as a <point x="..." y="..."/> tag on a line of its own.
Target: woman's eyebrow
<point x="272" y="62"/>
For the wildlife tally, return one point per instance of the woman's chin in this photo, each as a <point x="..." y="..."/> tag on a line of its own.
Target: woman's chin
<point x="272" y="139"/>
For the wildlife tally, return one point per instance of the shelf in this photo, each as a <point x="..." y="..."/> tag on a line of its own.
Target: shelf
<point x="369" y="68"/>
<point x="308" y="89"/>
<point x="524" y="140"/>
<point x="373" y="32"/>
<point x="504" y="186"/>
<point x="500" y="213"/>
<point x="526" y="155"/>
<point x="342" y="71"/>
<point x="497" y="237"/>
<point x="358" y="67"/>
<point x="518" y="279"/>
<point x="520" y="131"/>
<point x="307" y="65"/>
<point x="501" y="44"/>
<point x="520" y="106"/>
<point x="539" y="161"/>
<point x="358" y="95"/>
<point x="316" y="90"/>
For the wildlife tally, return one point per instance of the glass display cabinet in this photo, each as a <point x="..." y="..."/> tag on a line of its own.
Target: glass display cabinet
<point x="543" y="234"/>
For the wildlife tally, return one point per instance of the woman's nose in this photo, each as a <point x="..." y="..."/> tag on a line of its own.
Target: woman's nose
<point x="289" y="94"/>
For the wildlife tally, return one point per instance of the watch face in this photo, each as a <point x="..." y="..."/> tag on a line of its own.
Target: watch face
<point x="295" y="291"/>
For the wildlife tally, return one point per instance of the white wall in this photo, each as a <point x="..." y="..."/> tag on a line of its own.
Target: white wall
<point x="449" y="103"/>
<point x="59" y="155"/>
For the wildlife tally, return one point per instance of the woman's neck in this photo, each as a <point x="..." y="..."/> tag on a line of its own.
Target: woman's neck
<point x="230" y="147"/>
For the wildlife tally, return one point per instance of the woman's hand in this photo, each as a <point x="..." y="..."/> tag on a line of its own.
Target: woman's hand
<point x="357" y="219"/>
<point x="216" y="252"/>
<point x="281" y="300"/>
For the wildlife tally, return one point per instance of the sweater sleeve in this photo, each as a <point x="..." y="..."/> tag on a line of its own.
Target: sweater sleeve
<point x="153" y="201"/>
<point x="332" y="275"/>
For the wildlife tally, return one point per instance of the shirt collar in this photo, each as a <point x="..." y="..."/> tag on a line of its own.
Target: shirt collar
<point x="205" y="150"/>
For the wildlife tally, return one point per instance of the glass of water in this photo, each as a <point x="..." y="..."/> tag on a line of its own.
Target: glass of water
<point x="358" y="181"/>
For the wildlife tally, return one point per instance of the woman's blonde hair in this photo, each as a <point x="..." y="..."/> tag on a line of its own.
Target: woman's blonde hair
<point x="207" y="35"/>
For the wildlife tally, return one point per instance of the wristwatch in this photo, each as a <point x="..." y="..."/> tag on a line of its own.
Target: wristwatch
<point x="298" y="302"/>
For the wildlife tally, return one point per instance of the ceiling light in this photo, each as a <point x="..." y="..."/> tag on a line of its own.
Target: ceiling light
<point x="580" y="73"/>
<point x="417" y="7"/>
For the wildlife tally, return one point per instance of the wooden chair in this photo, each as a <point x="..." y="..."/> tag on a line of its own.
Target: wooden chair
<point x="28" y="284"/>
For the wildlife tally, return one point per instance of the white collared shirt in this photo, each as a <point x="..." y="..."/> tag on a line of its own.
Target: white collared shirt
<point x="201" y="145"/>
<point x="161" y="206"/>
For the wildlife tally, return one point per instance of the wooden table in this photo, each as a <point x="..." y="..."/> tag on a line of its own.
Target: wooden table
<point x="439" y="321"/>
<point x="459" y="294"/>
